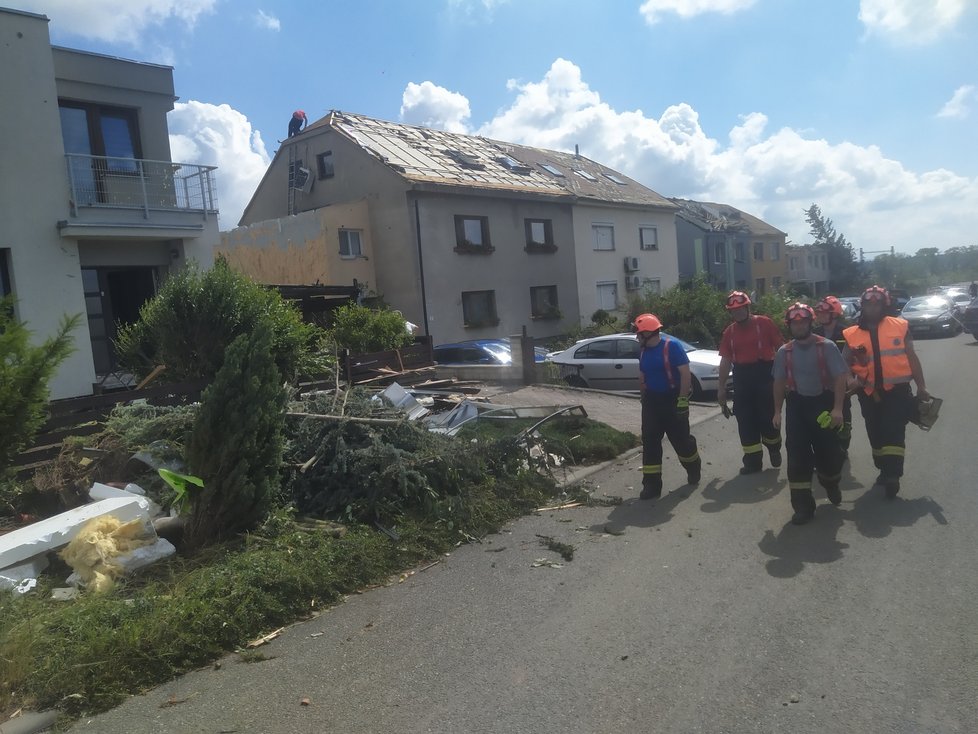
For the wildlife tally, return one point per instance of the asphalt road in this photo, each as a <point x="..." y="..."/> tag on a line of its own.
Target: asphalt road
<point x="702" y="612"/>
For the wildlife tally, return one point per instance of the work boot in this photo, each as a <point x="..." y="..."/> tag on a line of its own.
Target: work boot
<point x="891" y="487"/>
<point x="753" y="463"/>
<point x="880" y="480"/>
<point x="775" y="458"/>
<point x="651" y="487"/>
<point x="833" y="492"/>
<point x="803" y="503"/>
<point x="693" y="472"/>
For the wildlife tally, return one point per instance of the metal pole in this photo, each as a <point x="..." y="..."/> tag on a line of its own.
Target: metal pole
<point x="71" y="183"/>
<point x="424" y="297"/>
<point x="209" y="204"/>
<point x="142" y="184"/>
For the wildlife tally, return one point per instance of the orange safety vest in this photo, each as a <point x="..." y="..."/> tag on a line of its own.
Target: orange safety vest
<point x="892" y="333"/>
<point x="789" y="364"/>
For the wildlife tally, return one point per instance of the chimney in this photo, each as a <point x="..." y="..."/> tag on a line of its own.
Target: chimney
<point x="577" y="150"/>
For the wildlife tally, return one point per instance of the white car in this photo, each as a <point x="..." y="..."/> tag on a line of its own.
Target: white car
<point x="611" y="363"/>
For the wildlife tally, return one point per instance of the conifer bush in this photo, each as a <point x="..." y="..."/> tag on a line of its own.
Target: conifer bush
<point x="236" y="444"/>
<point x="362" y="330"/>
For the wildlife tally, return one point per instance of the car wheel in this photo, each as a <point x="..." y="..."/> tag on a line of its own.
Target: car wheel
<point x="575" y="381"/>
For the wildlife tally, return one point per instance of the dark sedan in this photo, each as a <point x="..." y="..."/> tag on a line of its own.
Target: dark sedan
<point x="931" y="316"/>
<point x="970" y="319"/>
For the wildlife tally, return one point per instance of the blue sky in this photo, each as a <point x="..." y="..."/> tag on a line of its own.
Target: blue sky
<point x="866" y="107"/>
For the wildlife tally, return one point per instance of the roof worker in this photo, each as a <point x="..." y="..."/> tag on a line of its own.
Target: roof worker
<point x="665" y="383"/>
<point x="880" y="353"/>
<point x="297" y="123"/>
<point x="830" y="323"/>
<point x="809" y="381"/>
<point x="748" y="345"/>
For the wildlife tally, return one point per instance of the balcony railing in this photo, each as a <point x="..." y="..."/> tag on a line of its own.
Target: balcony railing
<point x="133" y="183"/>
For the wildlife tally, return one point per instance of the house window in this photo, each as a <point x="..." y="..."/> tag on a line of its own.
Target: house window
<point x="653" y="286"/>
<point x="648" y="238"/>
<point x="604" y="236"/>
<point x="720" y="253"/>
<point x="760" y="286"/>
<point x="479" y="308"/>
<point x="793" y="263"/>
<point x="615" y="179"/>
<point x="350" y="246"/>
<point x="472" y="234"/>
<point x="324" y="162"/>
<point x="539" y="235"/>
<point x="543" y="302"/>
<point x="739" y="254"/>
<point x="608" y="295"/>
<point x="776" y="282"/>
<point x="97" y="130"/>
<point x="5" y="288"/>
<point x="552" y="170"/>
<point x="775" y="250"/>
<point x="585" y="175"/>
<point x="759" y="251"/>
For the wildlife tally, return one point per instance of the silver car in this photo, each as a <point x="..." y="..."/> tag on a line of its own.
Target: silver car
<point x="611" y="363"/>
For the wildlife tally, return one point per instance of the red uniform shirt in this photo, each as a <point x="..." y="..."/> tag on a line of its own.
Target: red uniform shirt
<point x="755" y="340"/>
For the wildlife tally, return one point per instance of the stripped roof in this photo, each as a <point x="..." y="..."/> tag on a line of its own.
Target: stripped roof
<point x="424" y="155"/>
<point x="723" y="218"/>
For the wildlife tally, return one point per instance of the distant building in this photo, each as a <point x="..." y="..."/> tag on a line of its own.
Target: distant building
<point x="808" y="269"/>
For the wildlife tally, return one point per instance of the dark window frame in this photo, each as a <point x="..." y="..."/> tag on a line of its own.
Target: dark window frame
<point x="324" y="165"/>
<point x="6" y="285"/>
<point x="551" y="313"/>
<point x="359" y="234"/>
<point x="758" y="250"/>
<point x="94" y="114"/>
<point x="641" y="237"/>
<point x="462" y="245"/>
<point x="719" y="253"/>
<point x="468" y="320"/>
<point x="548" y="244"/>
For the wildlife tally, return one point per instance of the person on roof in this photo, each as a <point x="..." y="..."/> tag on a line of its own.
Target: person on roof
<point x="810" y="377"/>
<point x="880" y="353"/>
<point x="830" y="324"/>
<point x="748" y="345"/>
<point x="297" y="123"/>
<point x="665" y="384"/>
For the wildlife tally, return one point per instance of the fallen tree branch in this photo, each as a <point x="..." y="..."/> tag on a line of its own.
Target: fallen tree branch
<point x="352" y="419"/>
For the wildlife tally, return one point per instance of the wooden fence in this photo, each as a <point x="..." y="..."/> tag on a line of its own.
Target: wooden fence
<point x="407" y="365"/>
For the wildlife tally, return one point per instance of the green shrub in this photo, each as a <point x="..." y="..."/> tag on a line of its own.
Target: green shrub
<point x="236" y="446"/>
<point x="189" y="325"/>
<point x="25" y="371"/>
<point x="361" y="329"/>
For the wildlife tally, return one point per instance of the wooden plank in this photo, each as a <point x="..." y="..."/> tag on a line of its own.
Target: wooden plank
<point x="74" y="419"/>
<point x="86" y="429"/>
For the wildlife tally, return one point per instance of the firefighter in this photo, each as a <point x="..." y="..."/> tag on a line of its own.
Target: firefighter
<point x="810" y="378"/>
<point x="749" y="345"/>
<point x="880" y="353"/>
<point x="665" y="382"/>
<point x="830" y="324"/>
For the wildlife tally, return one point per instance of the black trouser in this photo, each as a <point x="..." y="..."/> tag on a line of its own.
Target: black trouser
<point x="886" y="414"/>
<point x="754" y="408"/>
<point x="661" y="417"/>
<point x="845" y="435"/>
<point x="810" y="447"/>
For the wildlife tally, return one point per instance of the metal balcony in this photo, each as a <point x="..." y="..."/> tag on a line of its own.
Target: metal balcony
<point x="154" y="188"/>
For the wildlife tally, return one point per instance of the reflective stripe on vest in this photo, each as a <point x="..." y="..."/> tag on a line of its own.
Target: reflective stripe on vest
<point x="892" y="335"/>
<point x="823" y="370"/>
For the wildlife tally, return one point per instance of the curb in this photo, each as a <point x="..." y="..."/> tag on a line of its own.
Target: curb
<point x="29" y="723"/>
<point x="573" y="477"/>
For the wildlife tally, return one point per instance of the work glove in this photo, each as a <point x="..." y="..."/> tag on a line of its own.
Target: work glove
<point x="725" y="409"/>
<point x="682" y="404"/>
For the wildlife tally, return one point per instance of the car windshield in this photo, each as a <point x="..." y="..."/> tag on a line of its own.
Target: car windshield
<point x="929" y="303"/>
<point x="687" y="347"/>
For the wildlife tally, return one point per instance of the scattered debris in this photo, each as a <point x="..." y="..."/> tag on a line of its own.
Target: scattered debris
<point x="317" y="634"/>
<point x="794" y="698"/>
<point x="496" y="550"/>
<point x="565" y="550"/>
<point x="65" y="593"/>
<point x="305" y="701"/>
<point x="174" y="701"/>
<point x="612" y="530"/>
<point x="23" y="577"/>
<point x="546" y="562"/>
<point x="565" y="506"/>
<point x="266" y="638"/>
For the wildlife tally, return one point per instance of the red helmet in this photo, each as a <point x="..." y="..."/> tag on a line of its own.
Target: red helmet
<point x="876" y="293"/>
<point x="799" y="312"/>
<point x="830" y="304"/>
<point x="737" y="299"/>
<point x="647" y="322"/>
<point x="299" y="115"/>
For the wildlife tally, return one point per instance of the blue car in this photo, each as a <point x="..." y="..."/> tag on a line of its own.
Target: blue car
<point x="481" y="351"/>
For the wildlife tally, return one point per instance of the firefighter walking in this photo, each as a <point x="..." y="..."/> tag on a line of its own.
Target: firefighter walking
<point x="880" y="353"/>
<point x="830" y="324"/>
<point x="809" y="382"/>
<point x="665" y="382"/>
<point x="749" y="345"/>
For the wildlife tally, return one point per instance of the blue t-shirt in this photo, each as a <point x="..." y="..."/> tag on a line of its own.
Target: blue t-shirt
<point x="653" y="369"/>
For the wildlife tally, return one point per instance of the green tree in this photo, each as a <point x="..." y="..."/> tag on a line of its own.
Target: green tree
<point x="189" y="325"/>
<point x="844" y="274"/>
<point x="361" y="329"/>
<point x="25" y="371"/>
<point x="236" y="445"/>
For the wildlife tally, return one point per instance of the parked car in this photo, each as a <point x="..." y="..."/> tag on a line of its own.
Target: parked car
<point x="899" y="298"/>
<point x="969" y="319"/>
<point x="960" y="299"/>
<point x="931" y="316"/>
<point x="611" y="363"/>
<point x="851" y="305"/>
<point x="481" y="351"/>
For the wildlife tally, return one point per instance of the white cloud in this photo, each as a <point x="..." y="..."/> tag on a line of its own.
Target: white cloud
<point x="959" y="106"/>
<point x="429" y="105"/>
<point x="653" y="10"/>
<point x="913" y="21"/>
<point x="117" y="21"/>
<point x="217" y="135"/>
<point x="264" y="20"/>
<point x="874" y="200"/>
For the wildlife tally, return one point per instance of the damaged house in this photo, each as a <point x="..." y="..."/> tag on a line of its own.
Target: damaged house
<point x="468" y="237"/>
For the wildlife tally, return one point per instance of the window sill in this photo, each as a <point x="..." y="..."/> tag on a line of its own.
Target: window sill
<point x="649" y="249"/>
<point x="539" y="247"/>
<point x="474" y="249"/>
<point x="482" y="324"/>
<point x="547" y="317"/>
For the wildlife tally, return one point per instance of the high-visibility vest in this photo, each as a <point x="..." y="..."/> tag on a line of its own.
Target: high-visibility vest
<point x="892" y="334"/>
<point x="789" y="364"/>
